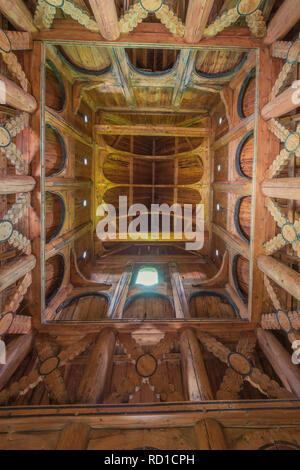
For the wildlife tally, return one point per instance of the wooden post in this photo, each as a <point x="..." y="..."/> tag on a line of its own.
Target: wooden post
<point x="97" y="371"/>
<point x="284" y="276"/>
<point x="284" y="188"/>
<point x="16" y="352"/>
<point x="280" y="360"/>
<point x="196" y="19"/>
<point x="210" y="435"/>
<point x="117" y="303"/>
<point x="283" y="21"/>
<point x="106" y="16"/>
<point x="74" y="436"/>
<point x="196" y="383"/>
<point x="280" y="105"/>
<point x="180" y="302"/>
<point x="13" y="95"/>
<point x="14" y="270"/>
<point x="18" y="14"/>
<point x="16" y="184"/>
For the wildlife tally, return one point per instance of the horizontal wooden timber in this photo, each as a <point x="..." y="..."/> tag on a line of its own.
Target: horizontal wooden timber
<point x="245" y="413"/>
<point x="284" y="188"/>
<point x="65" y="127"/>
<point x="65" y="184"/>
<point x="233" y="243"/>
<point x="240" y="130"/>
<point x="16" y="184"/>
<point x="236" y="187"/>
<point x="155" y="34"/>
<point x="150" y="110"/>
<point x="225" y="330"/>
<point x="152" y="130"/>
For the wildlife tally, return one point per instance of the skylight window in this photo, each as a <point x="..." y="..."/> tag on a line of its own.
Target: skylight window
<point x="147" y="277"/>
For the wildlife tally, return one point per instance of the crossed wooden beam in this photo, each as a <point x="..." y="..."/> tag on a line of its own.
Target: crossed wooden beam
<point x="109" y="26"/>
<point x="146" y="371"/>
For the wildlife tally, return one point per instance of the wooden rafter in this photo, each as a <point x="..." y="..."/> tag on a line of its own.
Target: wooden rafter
<point x="196" y="19"/>
<point x="147" y="130"/>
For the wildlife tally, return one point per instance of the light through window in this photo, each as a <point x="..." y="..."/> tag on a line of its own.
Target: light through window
<point x="147" y="277"/>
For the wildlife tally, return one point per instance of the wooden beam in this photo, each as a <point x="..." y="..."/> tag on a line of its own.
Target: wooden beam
<point x="285" y="277"/>
<point x="18" y="15"/>
<point x="16" y="352"/>
<point x="13" y="95"/>
<point x="282" y="104"/>
<point x="180" y="302"/>
<point x="284" y="188"/>
<point x="268" y="146"/>
<point x="121" y="69"/>
<point x="148" y="34"/>
<point x="280" y="360"/>
<point x="14" y="270"/>
<point x="16" y="184"/>
<point x="74" y="436"/>
<point x="151" y="110"/>
<point x="283" y="21"/>
<point x="185" y="67"/>
<point x="243" y="308"/>
<point x="241" y="189"/>
<point x="151" y="130"/>
<point x="66" y="184"/>
<point x="117" y="303"/>
<point x="61" y="242"/>
<point x="20" y="41"/>
<point x="246" y="125"/>
<point x="210" y="435"/>
<point x="196" y="19"/>
<point x="96" y="374"/>
<point x="106" y="16"/>
<point x="233" y="244"/>
<point x="195" y="379"/>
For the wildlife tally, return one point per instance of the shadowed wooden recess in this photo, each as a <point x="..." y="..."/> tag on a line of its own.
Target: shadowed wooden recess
<point x="172" y="323"/>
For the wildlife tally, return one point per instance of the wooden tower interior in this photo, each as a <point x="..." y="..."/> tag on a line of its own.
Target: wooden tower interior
<point x="134" y="341"/>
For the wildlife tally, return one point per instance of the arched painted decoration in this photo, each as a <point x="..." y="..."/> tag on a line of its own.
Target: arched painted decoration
<point x="246" y="98"/>
<point x="212" y="305"/>
<point x="225" y="74"/>
<point x="80" y="70"/>
<point x="145" y="59"/>
<point x="149" y="305"/>
<point x="240" y="274"/>
<point x="90" y="306"/>
<point x="55" y="151"/>
<point x="242" y="217"/>
<point x="55" y="213"/>
<point x="244" y="156"/>
<point x="55" y="95"/>
<point x="246" y="8"/>
<point x="151" y="5"/>
<point x="55" y="271"/>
